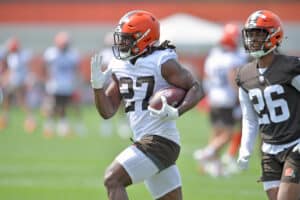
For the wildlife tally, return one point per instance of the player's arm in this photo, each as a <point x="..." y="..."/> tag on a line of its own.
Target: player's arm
<point x="108" y="100"/>
<point x="296" y="82"/>
<point x="46" y="65"/>
<point x="249" y="129"/>
<point x="3" y="63"/>
<point x="4" y="71"/>
<point x="180" y="77"/>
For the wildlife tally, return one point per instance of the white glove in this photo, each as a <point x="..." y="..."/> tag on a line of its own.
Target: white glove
<point x="166" y="112"/>
<point x="243" y="162"/>
<point x="297" y="148"/>
<point x="98" y="78"/>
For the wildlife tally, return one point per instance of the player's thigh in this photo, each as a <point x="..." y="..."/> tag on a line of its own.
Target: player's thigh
<point x="138" y="166"/>
<point x="116" y="175"/>
<point x="272" y="193"/>
<point x="271" y="171"/>
<point x="166" y="184"/>
<point x="62" y="101"/>
<point x="290" y="191"/>
<point x="222" y="118"/>
<point x="175" y="194"/>
<point x="20" y="94"/>
<point x="290" y="179"/>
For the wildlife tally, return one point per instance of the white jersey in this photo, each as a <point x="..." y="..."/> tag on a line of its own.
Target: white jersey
<point x="62" y="70"/>
<point x="137" y="83"/>
<point x="217" y="85"/>
<point x="18" y="67"/>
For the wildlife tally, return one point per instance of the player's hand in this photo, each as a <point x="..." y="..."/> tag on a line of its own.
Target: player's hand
<point x="166" y="112"/>
<point x="98" y="78"/>
<point x="297" y="148"/>
<point x="243" y="163"/>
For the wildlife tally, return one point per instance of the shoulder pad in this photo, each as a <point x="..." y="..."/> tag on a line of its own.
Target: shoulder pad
<point x="246" y="73"/>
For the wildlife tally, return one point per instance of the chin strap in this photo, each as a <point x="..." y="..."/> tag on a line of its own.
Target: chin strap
<point x="261" y="53"/>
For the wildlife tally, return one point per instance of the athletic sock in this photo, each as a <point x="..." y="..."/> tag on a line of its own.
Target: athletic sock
<point x="235" y="144"/>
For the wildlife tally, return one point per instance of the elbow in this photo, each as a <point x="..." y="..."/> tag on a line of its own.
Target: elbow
<point x="199" y="90"/>
<point x="104" y="113"/>
<point x="105" y="117"/>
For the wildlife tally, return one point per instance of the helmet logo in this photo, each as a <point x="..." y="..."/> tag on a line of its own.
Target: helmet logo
<point x="254" y="17"/>
<point x="257" y="15"/>
<point x="144" y="35"/>
<point x="263" y="16"/>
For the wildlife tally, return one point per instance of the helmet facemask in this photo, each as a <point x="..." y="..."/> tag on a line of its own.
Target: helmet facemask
<point x="256" y="41"/>
<point x="123" y="45"/>
<point x="126" y="45"/>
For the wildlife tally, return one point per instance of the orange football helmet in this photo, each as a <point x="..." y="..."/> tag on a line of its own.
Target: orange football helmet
<point x="262" y="33"/>
<point x="13" y="44"/>
<point x="231" y="36"/>
<point x="136" y="32"/>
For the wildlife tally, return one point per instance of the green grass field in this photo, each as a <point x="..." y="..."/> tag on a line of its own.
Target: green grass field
<point x="35" y="168"/>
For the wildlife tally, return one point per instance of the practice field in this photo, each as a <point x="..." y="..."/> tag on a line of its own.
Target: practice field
<point x="35" y="168"/>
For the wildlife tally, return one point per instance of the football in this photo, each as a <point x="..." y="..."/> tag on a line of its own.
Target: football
<point x="173" y="95"/>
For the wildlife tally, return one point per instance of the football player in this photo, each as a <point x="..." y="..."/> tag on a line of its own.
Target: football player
<point x="62" y="69"/>
<point x="14" y="81"/>
<point x="269" y="93"/>
<point x="143" y="66"/>
<point x="221" y="90"/>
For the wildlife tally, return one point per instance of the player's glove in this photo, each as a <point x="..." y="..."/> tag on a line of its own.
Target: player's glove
<point x="243" y="162"/>
<point x="166" y="112"/>
<point x="98" y="78"/>
<point x="297" y="148"/>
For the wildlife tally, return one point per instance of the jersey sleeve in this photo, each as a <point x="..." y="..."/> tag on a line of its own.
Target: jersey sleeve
<point x="296" y="82"/>
<point x="296" y="78"/>
<point x="163" y="57"/>
<point x="2" y="53"/>
<point x="166" y="55"/>
<point x="49" y="54"/>
<point x="249" y="125"/>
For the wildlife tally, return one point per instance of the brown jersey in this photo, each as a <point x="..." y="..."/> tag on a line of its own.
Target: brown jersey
<point x="275" y="100"/>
